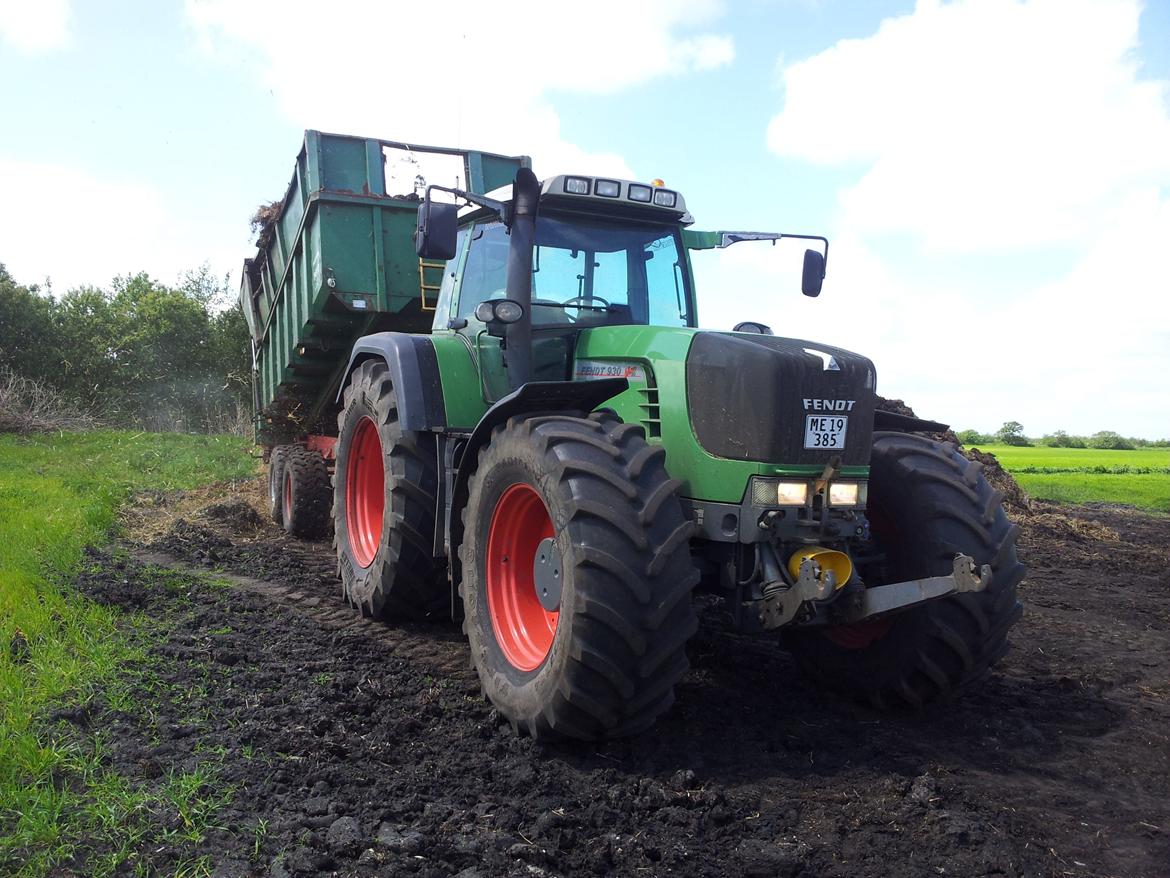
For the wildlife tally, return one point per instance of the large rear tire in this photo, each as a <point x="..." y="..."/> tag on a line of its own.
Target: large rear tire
<point x="385" y="482"/>
<point x="583" y="507"/>
<point x="926" y="503"/>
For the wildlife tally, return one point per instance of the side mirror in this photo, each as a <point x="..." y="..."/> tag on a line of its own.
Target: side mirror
<point x="814" y="273"/>
<point x="434" y="235"/>
<point x="753" y="326"/>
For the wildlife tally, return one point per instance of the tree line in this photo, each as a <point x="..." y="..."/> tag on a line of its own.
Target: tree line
<point x="138" y="353"/>
<point x="1012" y="433"/>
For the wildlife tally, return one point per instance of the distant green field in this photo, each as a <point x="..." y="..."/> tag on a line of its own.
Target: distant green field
<point x="1090" y="475"/>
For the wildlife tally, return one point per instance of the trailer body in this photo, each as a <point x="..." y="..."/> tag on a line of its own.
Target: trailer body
<point x="335" y="261"/>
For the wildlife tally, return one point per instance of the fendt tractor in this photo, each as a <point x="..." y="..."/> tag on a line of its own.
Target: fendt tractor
<point x="494" y="389"/>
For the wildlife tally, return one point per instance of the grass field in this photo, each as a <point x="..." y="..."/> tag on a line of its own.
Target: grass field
<point x="58" y="494"/>
<point x="1090" y="475"/>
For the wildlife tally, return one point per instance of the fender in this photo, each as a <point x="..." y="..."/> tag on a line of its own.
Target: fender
<point x="535" y="396"/>
<point x="414" y="369"/>
<point x="905" y="424"/>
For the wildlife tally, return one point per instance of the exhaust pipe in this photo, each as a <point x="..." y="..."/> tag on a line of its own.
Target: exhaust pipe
<point x="525" y="200"/>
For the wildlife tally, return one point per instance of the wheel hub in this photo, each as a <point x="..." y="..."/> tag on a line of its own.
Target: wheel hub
<point x="546" y="574"/>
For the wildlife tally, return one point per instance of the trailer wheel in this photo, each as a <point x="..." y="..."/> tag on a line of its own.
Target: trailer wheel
<point x="385" y="481"/>
<point x="306" y="494"/>
<point x="276" y="459"/>
<point x="927" y="502"/>
<point x="577" y="577"/>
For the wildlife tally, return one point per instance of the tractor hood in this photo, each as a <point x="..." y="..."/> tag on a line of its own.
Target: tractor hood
<point x="764" y="398"/>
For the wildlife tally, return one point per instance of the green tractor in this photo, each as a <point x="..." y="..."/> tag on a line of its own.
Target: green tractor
<point x="514" y="421"/>
<point x="566" y="458"/>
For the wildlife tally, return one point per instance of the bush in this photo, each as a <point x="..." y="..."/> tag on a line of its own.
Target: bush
<point x="973" y="437"/>
<point x="1109" y="440"/>
<point x="27" y="406"/>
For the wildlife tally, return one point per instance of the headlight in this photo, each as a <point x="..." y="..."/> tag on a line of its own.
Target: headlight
<point x="639" y="193"/>
<point x="665" y="198"/>
<point x="847" y="494"/>
<point x="608" y="188"/>
<point x="774" y="492"/>
<point x="577" y="185"/>
<point x="508" y="311"/>
<point x="792" y="493"/>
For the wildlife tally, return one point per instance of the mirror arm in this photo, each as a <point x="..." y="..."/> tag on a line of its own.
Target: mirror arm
<point x="726" y="239"/>
<point x="491" y="204"/>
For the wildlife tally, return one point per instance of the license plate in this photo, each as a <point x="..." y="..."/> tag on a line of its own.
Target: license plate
<point x="825" y="431"/>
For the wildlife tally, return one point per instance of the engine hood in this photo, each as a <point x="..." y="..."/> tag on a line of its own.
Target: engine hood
<point x="749" y="397"/>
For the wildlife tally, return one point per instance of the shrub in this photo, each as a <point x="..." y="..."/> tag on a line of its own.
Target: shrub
<point x="1110" y="440"/>
<point x="28" y="406"/>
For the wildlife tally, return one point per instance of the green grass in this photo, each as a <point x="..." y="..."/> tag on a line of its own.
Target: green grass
<point x="59" y="493"/>
<point x="1090" y="475"/>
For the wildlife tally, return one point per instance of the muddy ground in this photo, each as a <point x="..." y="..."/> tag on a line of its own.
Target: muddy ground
<point x="355" y="748"/>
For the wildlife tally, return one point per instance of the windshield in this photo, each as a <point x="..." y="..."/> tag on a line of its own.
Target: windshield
<point x="586" y="273"/>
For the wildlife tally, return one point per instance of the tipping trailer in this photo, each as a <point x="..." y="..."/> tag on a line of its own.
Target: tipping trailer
<point x="553" y="452"/>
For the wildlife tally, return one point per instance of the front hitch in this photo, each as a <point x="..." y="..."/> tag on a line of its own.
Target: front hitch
<point x="782" y="605"/>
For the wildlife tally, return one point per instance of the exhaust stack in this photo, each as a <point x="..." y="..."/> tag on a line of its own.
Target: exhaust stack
<point x="525" y="200"/>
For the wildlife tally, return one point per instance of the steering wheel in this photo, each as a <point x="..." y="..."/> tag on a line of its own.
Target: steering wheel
<point x="586" y="299"/>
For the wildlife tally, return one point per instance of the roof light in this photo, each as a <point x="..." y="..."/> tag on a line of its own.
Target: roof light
<point x="665" y="198"/>
<point x="577" y="185"/>
<point x="639" y="193"/>
<point x="657" y="183"/>
<point x="607" y="188"/>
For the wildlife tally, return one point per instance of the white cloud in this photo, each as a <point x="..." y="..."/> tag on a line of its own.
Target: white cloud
<point x="33" y="26"/>
<point x="115" y="227"/>
<point x="998" y="133"/>
<point x="466" y="73"/>
<point x="983" y="124"/>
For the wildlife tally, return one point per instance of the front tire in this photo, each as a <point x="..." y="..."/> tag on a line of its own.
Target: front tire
<point x="927" y="502"/>
<point x="582" y="506"/>
<point x="384" y="487"/>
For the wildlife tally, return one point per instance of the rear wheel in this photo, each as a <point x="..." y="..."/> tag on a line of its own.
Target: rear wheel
<point x="577" y="577"/>
<point x="926" y="503"/>
<point x="384" y="504"/>
<point x="276" y="459"/>
<point x="306" y="494"/>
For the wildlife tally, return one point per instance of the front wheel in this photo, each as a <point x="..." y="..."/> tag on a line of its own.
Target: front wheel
<point x="927" y="503"/>
<point x="577" y="577"/>
<point x="384" y="485"/>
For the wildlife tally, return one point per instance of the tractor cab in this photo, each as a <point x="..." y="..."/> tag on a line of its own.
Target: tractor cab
<point x="605" y="253"/>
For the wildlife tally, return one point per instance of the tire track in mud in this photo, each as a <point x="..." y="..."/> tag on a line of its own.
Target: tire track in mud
<point x="441" y="647"/>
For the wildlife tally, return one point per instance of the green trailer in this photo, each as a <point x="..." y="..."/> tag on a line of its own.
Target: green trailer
<point x="495" y="389"/>
<point x="335" y="261"/>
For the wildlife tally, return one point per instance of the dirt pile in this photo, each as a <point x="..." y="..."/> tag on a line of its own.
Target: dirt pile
<point x="1016" y="501"/>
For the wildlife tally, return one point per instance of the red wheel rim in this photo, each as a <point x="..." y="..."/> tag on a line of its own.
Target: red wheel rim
<point x="859" y="635"/>
<point x="365" y="493"/>
<point x="524" y="629"/>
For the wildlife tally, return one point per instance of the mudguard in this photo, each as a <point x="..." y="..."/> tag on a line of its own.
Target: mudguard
<point x="905" y="424"/>
<point x="414" y="370"/>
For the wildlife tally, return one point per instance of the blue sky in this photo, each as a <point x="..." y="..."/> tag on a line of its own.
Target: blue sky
<point x="994" y="175"/>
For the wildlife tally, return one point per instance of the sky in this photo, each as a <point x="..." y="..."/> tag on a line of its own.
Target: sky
<point x="993" y="175"/>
